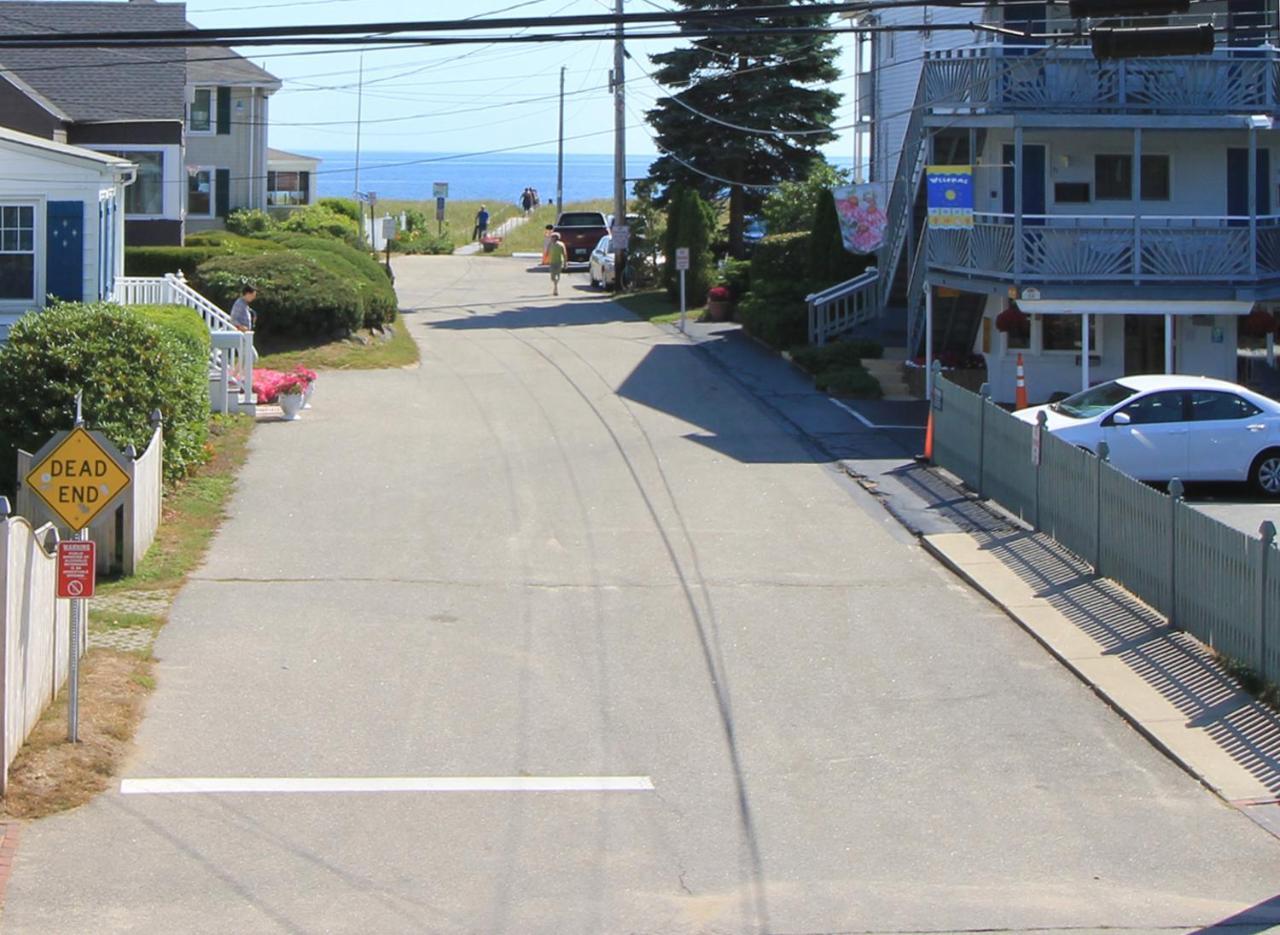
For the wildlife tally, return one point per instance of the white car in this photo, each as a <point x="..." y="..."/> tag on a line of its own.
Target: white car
<point x="1161" y="427"/>
<point x="601" y="264"/>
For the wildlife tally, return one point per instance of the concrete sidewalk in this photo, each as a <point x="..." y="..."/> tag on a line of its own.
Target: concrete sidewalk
<point x="1162" y="681"/>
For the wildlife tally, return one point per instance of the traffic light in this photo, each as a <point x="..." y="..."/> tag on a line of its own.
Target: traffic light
<point x="1100" y="9"/>
<point x="1150" y="42"/>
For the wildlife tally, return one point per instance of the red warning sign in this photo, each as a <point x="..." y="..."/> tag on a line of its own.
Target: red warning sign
<point x="76" y="567"/>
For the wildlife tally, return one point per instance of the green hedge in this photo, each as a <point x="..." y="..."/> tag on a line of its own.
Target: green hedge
<point x="127" y="367"/>
<point x="184" y="323"/>
<point x="318" y="219"/>
<point x="345" y="206"/>
<point x="297" y="293"/>
<point x="228" y="242"/>
<point x="777" y="317"/>
<point x="378" y="302"/>
<point x="157" y="261"/>
<point x="781" y="261"/>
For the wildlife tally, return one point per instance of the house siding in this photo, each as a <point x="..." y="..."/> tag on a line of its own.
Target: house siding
<point x="19" y="112"/>
<point x="241" y="153"/>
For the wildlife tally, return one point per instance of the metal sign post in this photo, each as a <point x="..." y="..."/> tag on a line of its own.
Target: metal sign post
<point x="78" y="474"/>
<point x="682" y="264"/>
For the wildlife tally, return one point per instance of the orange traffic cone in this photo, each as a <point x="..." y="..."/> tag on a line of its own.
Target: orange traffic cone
<point x="1020" y="388"/>
<point x="928" y="437"/>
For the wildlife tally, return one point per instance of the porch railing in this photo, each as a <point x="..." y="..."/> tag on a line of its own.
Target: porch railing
<point x="231" y="354"/>
<point x="1001" y="78"/>
<point x="1112" y="248"/>
<point x="842" y="308"/>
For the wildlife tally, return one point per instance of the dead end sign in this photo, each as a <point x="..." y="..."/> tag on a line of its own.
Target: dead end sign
<point x="78" y="477"/>
<point x="76" y="567"/>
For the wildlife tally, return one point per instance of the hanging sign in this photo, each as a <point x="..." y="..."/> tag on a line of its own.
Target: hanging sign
<point x="950" y="196"/>
<point x="862" y="218"/>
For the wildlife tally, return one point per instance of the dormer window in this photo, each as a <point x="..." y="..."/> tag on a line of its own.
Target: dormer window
<point x="200" y="114"/>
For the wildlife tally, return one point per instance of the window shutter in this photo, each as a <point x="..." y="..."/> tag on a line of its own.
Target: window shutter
<point x="304" y="185"/>
<point x="222" y="192"/>
<point x="224" y="111"/>
<point x="64" y="253"/>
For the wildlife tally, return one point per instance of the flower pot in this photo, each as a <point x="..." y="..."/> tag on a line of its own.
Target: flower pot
<point x="291" y="404"/>
<point x="306" y="395"/>
<point x="719" y="309"/>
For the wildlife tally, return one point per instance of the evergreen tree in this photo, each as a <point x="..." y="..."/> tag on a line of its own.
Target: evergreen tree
<point x="690" y="222"/>
<point x="772" y="82"/>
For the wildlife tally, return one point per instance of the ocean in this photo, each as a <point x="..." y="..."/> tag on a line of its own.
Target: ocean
<point x="499" y="177"/>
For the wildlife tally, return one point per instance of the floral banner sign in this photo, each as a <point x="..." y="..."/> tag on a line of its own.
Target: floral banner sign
<point x="862" y="218"/>
<point x="950" y="196"/>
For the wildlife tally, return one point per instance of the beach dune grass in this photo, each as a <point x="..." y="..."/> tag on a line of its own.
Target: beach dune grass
<point x="459" y="216"/>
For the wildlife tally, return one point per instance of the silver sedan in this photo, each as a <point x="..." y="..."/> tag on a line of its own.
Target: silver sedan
<point x="601" y="264"/>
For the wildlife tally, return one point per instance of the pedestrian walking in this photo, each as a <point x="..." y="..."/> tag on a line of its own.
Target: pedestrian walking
<point x="243" y="317"/>
<point x="482" y="224"/>
<point x="556" y="259"/>
<point x="526" y="200"/>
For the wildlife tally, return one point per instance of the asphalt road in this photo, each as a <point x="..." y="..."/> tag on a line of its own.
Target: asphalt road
<point x="569" y="546"/>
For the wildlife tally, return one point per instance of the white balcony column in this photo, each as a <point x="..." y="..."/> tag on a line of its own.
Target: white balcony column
<point x="1084" y="346"/>
<point x="1136" y="184"/>
<point x="1168" y="343"/>
<point x="1017" y="204"/>
<point x="928" y="341"/>
<point x="1253" y="199"/>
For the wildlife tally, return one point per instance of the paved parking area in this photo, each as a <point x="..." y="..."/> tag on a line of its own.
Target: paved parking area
<point x="1236" y="505"/>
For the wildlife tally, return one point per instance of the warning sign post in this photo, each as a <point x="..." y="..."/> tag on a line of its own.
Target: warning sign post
<point x="76" y="568"/>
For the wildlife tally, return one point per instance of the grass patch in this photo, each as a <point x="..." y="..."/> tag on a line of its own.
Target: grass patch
<point x="656" y="306"/>
<point x="459" y="216"/>
<point x="50" y="775"/>
<point x="286" y="352"/>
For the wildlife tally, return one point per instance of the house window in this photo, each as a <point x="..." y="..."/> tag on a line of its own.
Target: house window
<point x="146" y="195"/>
<point x="200" y="192"/>
<point x="1113" y="178"/>
<point x="200" y="118"/>
<point x="288" y="188"/>
<point x="17" y="252"/>
<point x="1062" y="333"/>
<point x="1075" y="193"/>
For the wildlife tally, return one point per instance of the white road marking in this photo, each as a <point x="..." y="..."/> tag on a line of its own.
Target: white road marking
<point x="205" y="786"/>
<point x="867" y="422"/>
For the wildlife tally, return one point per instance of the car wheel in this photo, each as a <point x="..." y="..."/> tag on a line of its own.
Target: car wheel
<point x="1265" y="473"/>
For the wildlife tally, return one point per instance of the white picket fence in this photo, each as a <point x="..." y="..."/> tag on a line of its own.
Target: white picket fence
<point x="35" y="630"/>
<point x="231" y="357"/>
<point x="127" y="530"/>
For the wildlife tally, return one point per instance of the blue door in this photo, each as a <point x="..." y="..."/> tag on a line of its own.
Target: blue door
<point x="1238" y="185"/>
<point x="64" y="257"/>
<point x="1034" y="169"/>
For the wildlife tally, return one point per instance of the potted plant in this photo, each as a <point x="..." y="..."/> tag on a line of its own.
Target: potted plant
<point x="1014" y="322"/>
<point x="310" y="377"/>
<point x="289" y="392"/>
<point x="719" y="303"/>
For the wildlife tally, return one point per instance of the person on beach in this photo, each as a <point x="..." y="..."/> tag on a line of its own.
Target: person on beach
<point x="482" y="224"/>
<point x="556" y="258"/>
<point x="526" y="200"/>
<point x="547" y="234"/>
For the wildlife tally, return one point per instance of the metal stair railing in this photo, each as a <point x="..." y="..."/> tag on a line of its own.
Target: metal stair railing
<point x="843" y="307"/>
<point x="915" y="297"/>
<point x="906" y="185"/>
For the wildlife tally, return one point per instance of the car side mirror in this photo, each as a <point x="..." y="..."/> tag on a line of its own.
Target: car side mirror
<point x="1121" y="418"/>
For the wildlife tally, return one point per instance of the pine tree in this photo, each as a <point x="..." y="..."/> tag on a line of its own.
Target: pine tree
<point x="764" y="82"/>
<point x="690" y="224"/>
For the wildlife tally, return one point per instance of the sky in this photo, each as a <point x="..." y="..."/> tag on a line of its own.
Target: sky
<point x="457" y="98"/>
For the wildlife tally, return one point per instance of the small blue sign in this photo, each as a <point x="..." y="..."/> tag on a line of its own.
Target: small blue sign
<point x="950" y="194"/>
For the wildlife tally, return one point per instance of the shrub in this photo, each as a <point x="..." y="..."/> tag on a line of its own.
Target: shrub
<point x="790" y="206"/>
<point x="736" y="274"/>
<point x="418" y="241"/>
<point x="690" y="223"/>
<point x="777" y="317"/>
<point x="345" y="206"/>
<point x="781" y="262"/>
<point x="246" y="222"/>
<point x="321" y="221"/>
<point x="127" y="367"/>
<point x="836" y="354"/>
<point x="297" y="293"/>
<point x="232" y="243"/>
<point x="378" y="302"/>
<point x="158" y="261"/>
<point x="849" y="381"/>
<point x="182" y="322"/>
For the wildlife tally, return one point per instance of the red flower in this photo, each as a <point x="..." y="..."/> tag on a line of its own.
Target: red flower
<point x="718" y="294"/>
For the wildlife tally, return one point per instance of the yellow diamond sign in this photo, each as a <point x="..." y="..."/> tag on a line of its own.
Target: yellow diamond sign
<point x="78" y="479"/>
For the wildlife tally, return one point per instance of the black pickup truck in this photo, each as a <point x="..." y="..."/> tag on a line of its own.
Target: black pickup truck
<point x="580" y="231"/>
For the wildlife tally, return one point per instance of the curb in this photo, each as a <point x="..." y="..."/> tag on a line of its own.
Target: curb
<point x="8" y="853"/>
<point x="1153" y="738"/>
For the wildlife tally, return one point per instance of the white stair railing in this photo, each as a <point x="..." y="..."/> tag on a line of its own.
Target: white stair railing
<point x="842" y="308"/>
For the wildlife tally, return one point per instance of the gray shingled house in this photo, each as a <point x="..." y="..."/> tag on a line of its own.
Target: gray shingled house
<point x="193" y="121"/>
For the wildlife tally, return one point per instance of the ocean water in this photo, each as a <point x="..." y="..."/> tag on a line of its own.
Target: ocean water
<point x="500" y="177"/>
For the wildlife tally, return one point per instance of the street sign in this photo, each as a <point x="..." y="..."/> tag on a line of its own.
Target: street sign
<point x="439" y="208"/>
<point x="682" y="258"/>
<point x="439" y="189"/>
<point x="388" y="228"/>
<point x="79" y="477"/>
<point x="620" y="237"/>
<point x="76" y="568"/>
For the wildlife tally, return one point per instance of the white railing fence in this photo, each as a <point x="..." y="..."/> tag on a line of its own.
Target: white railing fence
<point x="231" y="357"/>
<point x="843" y="307"/>
<point x="35" y="628"/>
<point x="123" y="534"/>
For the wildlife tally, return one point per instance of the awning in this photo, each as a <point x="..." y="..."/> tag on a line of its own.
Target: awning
<point x="1131" y="307"/>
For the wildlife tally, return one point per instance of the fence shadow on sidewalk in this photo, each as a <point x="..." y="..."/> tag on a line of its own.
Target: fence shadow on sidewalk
<point x="1178" y="666"/>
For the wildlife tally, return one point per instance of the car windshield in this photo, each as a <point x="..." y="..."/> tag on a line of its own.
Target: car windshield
<point x="603" y="245"/>
<point x="1095" y="400"/>
<point x="581" y="219"/>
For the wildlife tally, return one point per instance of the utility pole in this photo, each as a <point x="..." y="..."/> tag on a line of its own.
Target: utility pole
<point x="560" y="151"/>
<point x="359" y="116"/>
<point x="619" y="146"/>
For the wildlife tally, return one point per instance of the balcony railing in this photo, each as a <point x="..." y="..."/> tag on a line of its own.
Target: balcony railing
<point x="1110" y="248"/>
<point x="1007" y="79"/>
